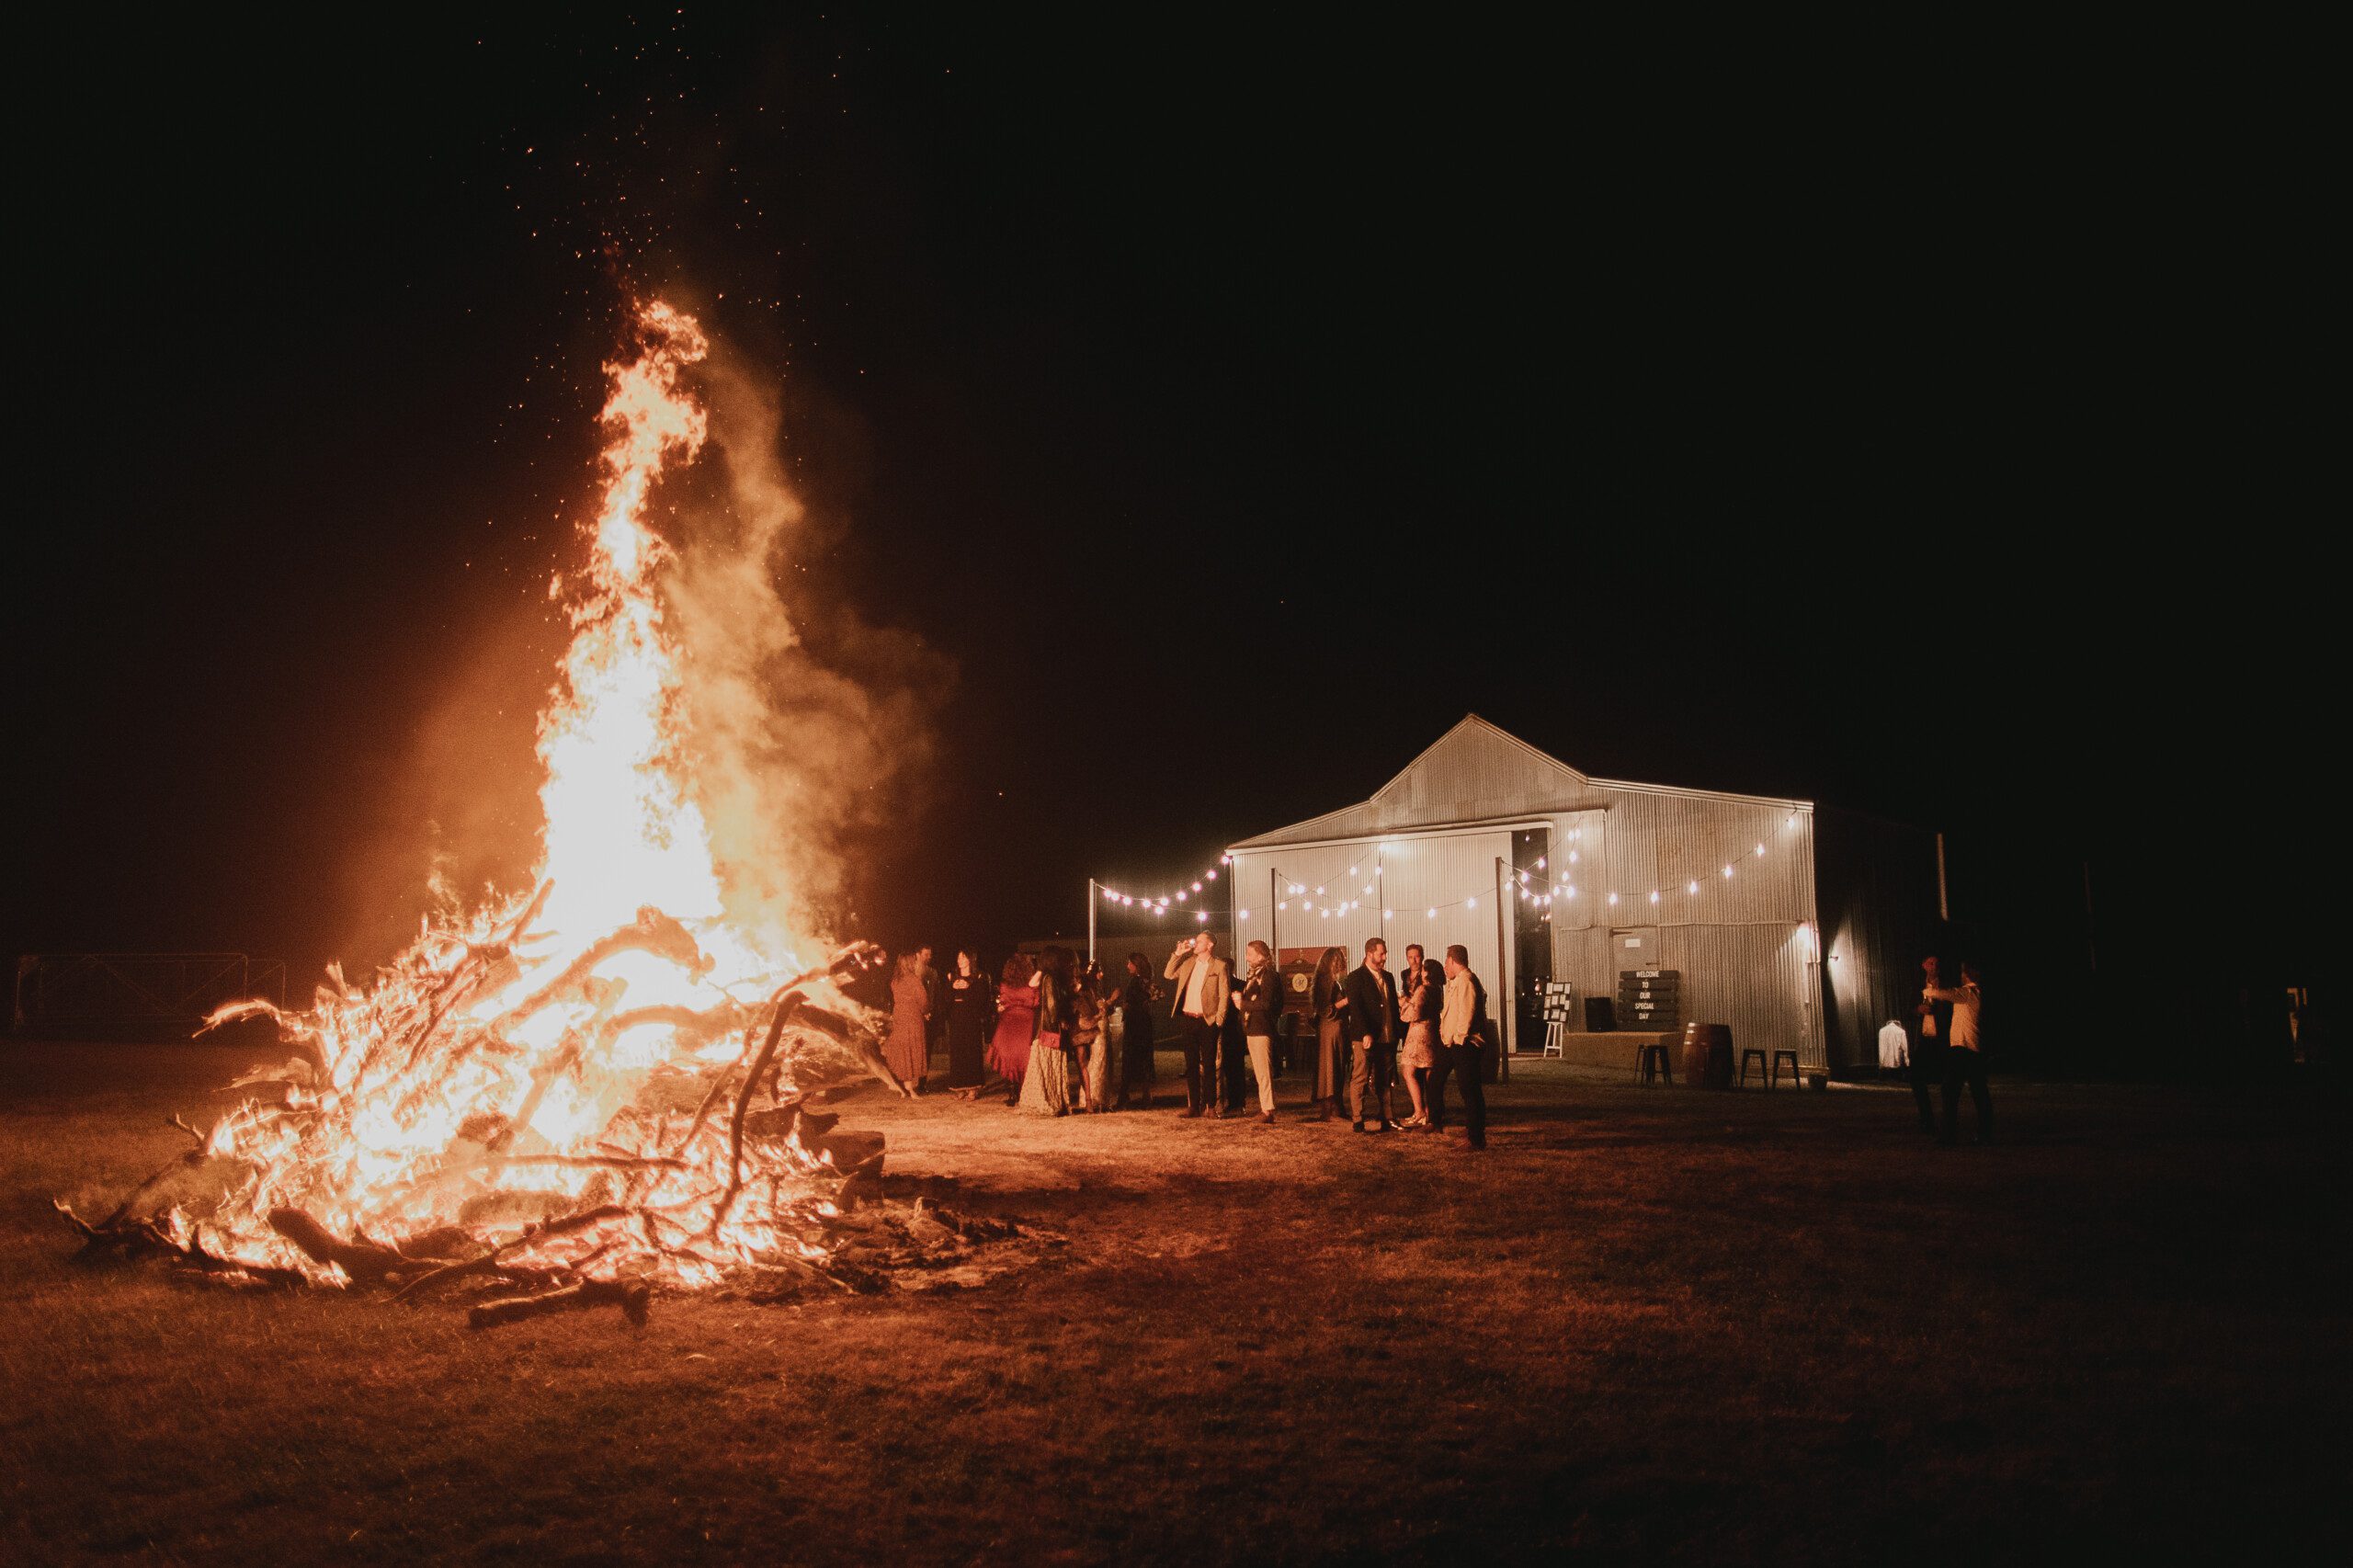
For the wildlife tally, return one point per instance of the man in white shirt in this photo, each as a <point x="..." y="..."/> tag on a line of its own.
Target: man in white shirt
<point x="1463" y="1038"/>
<point x="1200" y="1010"/>
<point x="1964" y="1057"/>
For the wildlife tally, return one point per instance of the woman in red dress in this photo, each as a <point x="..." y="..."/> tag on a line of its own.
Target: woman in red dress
<point x="1016" y="1022"/>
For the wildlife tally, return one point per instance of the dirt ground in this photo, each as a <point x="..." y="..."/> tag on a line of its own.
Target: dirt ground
<point x="1743" y="1326"/>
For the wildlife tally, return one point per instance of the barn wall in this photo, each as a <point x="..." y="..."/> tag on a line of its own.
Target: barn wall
<point x="1744" y="944"/>
<point x="1413" y="876"/>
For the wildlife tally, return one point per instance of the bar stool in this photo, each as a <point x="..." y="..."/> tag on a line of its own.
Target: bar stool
<point x="1753" y="1053"/>
<point x="1651" y="1062"/>
<point x="1795" y="1075"/>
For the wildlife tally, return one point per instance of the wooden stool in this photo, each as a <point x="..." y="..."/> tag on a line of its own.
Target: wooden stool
<point x="1753" y="1053"/>
<point x="1795" y="1076"/>
<point x="1651" y="1060"/>
<point x="1553" y="1030"/>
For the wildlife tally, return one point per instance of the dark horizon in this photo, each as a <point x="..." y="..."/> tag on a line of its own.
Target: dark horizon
<point x="1783" y="440"/>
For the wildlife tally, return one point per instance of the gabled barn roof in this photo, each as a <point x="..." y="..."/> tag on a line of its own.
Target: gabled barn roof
<point x="1475" y="773"/>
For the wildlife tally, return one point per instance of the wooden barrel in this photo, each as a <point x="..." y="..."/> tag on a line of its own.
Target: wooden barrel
<point x="1707" y="1056"/>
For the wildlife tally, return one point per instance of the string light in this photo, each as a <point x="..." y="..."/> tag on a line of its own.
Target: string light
<point x="1242" y="914"/>
<point x="1523" y="884"/>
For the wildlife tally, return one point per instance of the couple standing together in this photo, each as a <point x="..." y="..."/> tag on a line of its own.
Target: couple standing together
<point x="1439" y="1019"/>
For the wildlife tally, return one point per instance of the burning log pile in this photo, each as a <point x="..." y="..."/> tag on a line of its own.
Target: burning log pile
<point x="754" y="1185"/>
<point x="585" y="1094"/>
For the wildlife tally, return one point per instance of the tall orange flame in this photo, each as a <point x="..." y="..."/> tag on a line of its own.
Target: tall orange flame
<point x="543" y="1056"/>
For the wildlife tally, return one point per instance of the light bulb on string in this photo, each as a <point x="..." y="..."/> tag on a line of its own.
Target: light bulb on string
<point x="1613" y="898"/>
<point x="1211" y="875"/>
<point x="1693" y="888"/>
<point x="1653" y="895"/>
<point x="1760" y="851"/>
<point x="1727" y="871"/>
<point x="1389" y="914"/>
<point x="1284" y="903"/>
<point x="1430" y="915"/>
<point x="1539" y="862"/>
<point x="1242" y="914"/>
<point x="1470" y="903"/>
<point x="1196" y="887"/>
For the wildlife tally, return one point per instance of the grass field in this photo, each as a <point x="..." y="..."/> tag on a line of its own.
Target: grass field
<point x="1729" y="1326"/>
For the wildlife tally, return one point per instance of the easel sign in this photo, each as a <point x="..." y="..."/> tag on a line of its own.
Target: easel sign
<point x="1560" y="1004"/>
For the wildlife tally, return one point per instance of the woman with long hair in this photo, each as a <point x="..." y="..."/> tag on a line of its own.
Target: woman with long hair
<point x="1136" y="1024"/>
<point x="1331" y="1046"/>
<point x="1016" y="1022"/>
<point x="971" y="1005"/>
<point x="1421" y="995"/>
<point x="908" y="1049"/>
<point x="1046" y="1089"/>
<point x="1094" y="1038"/>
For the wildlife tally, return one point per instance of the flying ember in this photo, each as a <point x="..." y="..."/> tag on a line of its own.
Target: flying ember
<point x="597" y="1082"/>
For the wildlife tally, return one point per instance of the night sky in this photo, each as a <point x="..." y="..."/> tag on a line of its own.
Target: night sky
<point x="1229" y="407"/>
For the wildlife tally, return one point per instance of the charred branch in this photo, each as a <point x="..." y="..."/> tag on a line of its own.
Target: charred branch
<point x="630" y="1297"/>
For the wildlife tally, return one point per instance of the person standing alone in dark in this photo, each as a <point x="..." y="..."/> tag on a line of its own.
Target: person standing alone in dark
<point x="1373" y="1032"/>
<point x="1964" y="1057"/>
<point x="1931" y="1031"/>
<point x="1464" y="1037"/>
<point x="1198" y="1008"/>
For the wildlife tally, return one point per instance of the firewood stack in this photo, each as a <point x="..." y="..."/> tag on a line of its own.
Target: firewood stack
<point x="710" y="1173"/>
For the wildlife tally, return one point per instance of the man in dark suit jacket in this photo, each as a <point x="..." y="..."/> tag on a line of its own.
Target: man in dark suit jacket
<point x="1374" y="1030"/>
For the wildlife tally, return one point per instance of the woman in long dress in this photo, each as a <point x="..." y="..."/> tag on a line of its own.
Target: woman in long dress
<point x="1331" y="1047"/>
<point x="1136" y="1032"/>
<point x="1098" y="1048"/>
<point x="1016" y="1021"/>
<point x="1045" y="1091"/>
<point x="971" y="1006"/>
<point x="908" y="1049"/>
<point x="1421" y="995"/>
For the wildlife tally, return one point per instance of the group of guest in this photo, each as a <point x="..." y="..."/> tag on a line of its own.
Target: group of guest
<point x="1420" y="1027"/>
<point x="1049" y="1034"/>
<point x="1056" y="1036"/>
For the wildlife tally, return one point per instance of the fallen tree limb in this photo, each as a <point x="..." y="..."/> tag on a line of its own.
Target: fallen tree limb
<point x="630" y="1297"/>
<point x="365" y="1262"/>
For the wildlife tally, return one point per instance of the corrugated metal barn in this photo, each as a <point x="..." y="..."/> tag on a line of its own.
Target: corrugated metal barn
<point x="1677" y="905"/>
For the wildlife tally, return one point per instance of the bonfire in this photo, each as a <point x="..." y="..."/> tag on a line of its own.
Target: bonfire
<point x="599" y="1088"/>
